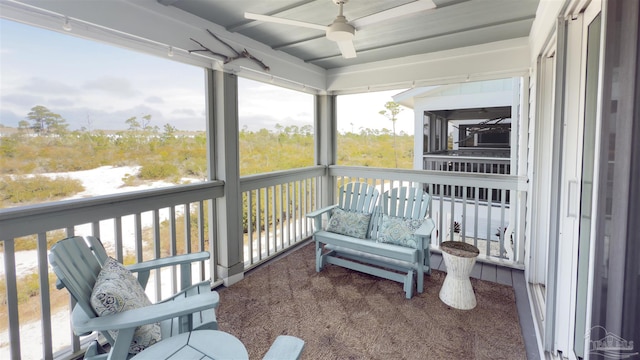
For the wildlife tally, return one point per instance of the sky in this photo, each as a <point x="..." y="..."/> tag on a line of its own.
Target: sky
<point x="98" y="87"/>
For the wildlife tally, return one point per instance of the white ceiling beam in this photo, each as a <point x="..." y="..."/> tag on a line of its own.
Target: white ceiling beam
<point x="496" y="60"/>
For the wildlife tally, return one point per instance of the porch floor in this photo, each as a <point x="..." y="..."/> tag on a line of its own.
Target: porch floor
<point x="345" y="314"/>
<point x="511" y="277"/>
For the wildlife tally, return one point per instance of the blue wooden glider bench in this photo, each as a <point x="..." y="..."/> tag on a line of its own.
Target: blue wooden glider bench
<point x="389" y="238"/>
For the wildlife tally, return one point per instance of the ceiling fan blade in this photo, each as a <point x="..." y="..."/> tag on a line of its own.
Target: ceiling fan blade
<point x="279" y="20"/>
<point x="394" y="13"/>
<point x="347" y="49"/>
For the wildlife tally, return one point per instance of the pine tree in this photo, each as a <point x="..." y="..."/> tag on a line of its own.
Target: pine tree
<point x="392" y="109"/>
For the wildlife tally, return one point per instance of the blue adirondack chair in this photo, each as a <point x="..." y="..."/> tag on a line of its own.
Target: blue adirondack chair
<point x="77" y="261"/>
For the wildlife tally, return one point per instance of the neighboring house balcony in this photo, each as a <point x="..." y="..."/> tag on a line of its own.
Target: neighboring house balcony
<point x="151" y="224"/>
<point x="474" y="160"/>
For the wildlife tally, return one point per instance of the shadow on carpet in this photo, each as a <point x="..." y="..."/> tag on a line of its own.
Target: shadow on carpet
<point x="343" y="314"/>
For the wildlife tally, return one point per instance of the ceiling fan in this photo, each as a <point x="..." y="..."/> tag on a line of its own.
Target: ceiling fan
<point x="342" y="31"/>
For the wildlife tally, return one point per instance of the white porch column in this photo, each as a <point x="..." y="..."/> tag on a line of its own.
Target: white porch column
<point x="224" y="164"/>
<point x="326" y="143"/>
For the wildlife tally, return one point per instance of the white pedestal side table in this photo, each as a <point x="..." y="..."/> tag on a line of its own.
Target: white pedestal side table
<point x="459" y="258"/>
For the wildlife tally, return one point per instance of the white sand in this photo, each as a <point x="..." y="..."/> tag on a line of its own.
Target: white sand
<point x="100" y="181"/>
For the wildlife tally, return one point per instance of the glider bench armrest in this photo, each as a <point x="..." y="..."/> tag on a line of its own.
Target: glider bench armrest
<point x="319" y="212"/>
<point x="426" y="229"/>
<point x="317" y="216"/>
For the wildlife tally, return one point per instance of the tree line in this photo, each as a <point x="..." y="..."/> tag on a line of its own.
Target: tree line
<point x="44" y="144"/>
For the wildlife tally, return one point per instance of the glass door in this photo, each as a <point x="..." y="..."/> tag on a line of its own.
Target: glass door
<point x="593" y="29"/>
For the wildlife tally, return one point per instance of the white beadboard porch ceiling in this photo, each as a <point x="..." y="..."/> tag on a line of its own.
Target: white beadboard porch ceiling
<point x="452" y="24"/>
<point x="459" y="40"/>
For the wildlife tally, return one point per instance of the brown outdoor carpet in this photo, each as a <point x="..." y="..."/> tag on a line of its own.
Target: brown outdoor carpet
<point x="343" y="314"/>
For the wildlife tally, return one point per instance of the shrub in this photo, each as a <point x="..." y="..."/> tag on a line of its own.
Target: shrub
<point x="130" y="180"/>
<point x="20" y="190"/>
<point x="158" y="171"/>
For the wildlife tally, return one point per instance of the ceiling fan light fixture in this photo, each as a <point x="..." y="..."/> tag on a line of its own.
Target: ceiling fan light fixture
<point x="340" y="30"/>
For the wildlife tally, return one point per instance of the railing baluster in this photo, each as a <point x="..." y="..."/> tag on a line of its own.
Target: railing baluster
<point x="156" y="251"/>
<point x="187" y="228"/>
<point x="452" y="213"/>
<point x="503" y="226"/>
<point x="95" y="229"/>
<point x="250" y="226"/>
<point x="301" y="209"/>
<point x="305" y="195"/>
<point x="489" y="211"/>
<point x="295" y="210"/>
<point x="288" y="199"/>
<point x="173" y="247"/>
<point x="45" y="296"/>
<point x="258" y="222"/>
<point x="12" y="298"/>
<point x="274" y="220"/>
<point x="117" y="225"/>
<point x="201" y="237"/>
<point x="476" y="209"/>
<point x="463" y="223"/>
<point x="281" y="215"/>
<point x="137" y="228"/>
<point x="264" y="231"/>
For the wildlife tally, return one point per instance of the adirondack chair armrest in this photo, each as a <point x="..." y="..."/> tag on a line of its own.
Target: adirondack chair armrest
<point x="148" y="315"/>
<point x="169" y="261"/>
<point x="144" y="268"/>
<point x="285" y="348"/>
<point x="191" y="292"/>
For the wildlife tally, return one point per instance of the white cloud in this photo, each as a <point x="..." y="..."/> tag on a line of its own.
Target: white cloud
<point x="113" y="86"/>
<point x="20" y="101"/>
<point x="154" y="100"/>
<point x="184" y="112"/>
<point x="47" y="86"/>
<point x="62" y="102"/>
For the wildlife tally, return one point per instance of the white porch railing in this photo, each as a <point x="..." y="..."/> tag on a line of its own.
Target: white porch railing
<point x="275" y="205"/>
<point x="472" y="164"/>
<point x="274" y="219"/>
